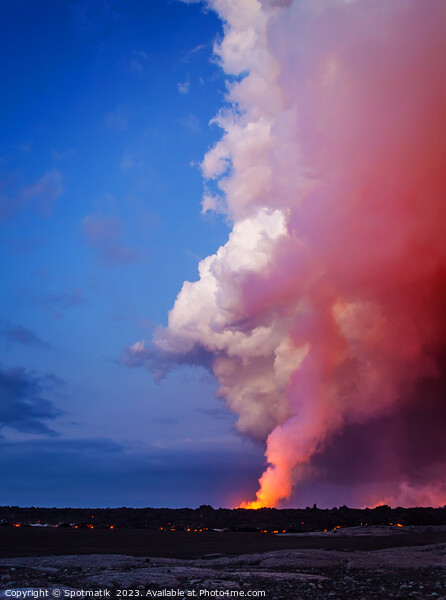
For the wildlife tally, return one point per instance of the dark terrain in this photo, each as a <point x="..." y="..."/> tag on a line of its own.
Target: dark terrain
<point x="312" y="554"/>
<point x="206" y="517"/>
<point x="42" y="541"/>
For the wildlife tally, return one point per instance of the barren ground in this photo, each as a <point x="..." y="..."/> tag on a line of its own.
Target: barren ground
<point x="355" y="564"/>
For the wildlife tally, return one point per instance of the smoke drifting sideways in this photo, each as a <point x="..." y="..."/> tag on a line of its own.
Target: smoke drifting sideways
<point x="323" y="316"/>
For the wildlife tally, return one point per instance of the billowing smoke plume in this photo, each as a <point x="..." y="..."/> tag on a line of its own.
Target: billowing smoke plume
<point x="323" y="317"/>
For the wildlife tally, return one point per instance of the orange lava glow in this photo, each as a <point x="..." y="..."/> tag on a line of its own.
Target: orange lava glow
<point x="254" y="505"/>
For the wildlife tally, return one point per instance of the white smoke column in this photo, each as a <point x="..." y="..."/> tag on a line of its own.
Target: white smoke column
<point x="326" y="304"/>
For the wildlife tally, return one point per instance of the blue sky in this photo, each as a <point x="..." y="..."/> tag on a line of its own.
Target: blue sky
<point x="106" y="107"/>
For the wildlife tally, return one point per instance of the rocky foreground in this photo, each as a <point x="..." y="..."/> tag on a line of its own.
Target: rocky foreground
<point x="417" y="572"/>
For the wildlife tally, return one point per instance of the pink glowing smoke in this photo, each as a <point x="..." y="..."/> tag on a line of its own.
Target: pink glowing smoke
<point x="324" y="312"/>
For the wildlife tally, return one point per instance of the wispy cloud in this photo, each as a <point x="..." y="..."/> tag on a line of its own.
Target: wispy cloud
<point x="190" y="122"/>
<point x="136" y="62"/>
<point x="216" y="413"/>
<point x="184" y="87"/>
<point x="104" y="235"/>
<point x="24" y="147"/>
<point x="23" y="406"/>
<point x="21" y="335"/>
<point x="189" y="55"/>
<point x="88" y="16"/>
<point x="45" y="191"/>
<point x="135" y="66"/>
<point x="127" y="161"/>
<point x="60" y="155"/>
<point x="116" y="119"/>
<point x="58" y="302"/>
<point x="141" y="354"/>
<point x="41" y="194"/>
<point x="20" y="245"/>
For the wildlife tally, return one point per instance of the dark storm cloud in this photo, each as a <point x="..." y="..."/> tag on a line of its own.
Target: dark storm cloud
<point x="21" y="335"/>
<point x="100" y="472"/>
<point x="23" y="406"/>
